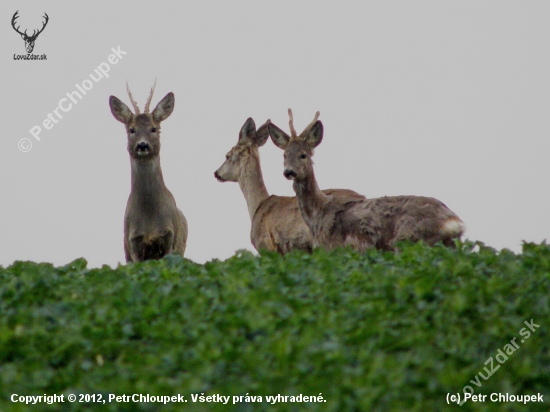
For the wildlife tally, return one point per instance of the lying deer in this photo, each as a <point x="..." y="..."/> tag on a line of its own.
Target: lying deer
<point x="277" y="224"/>
<point x="359" y="223"/>
<point x="153" y="225"/>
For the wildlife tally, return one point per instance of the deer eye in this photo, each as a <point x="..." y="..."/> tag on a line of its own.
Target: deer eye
<point x="303" y="156"/>
<point x="284" y="156"/>
<point x="132" y="130"/>
<point x="153" y="130"/>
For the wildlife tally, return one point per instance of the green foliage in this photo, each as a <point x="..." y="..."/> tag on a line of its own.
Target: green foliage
<point x="376" y="331"/>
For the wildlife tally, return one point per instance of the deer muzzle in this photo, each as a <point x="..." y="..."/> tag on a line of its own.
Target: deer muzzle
<point x="143" y="148"/>
<point x="289" y="174"/>
<point x="217" y="176"/>
<point x="29" y="45"/>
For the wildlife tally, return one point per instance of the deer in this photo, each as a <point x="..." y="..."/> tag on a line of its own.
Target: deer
<point x="276" y="222"/>
<point x="153" y="225"/>
<point x="29" y="40"/>
<point x="358" y="223"/>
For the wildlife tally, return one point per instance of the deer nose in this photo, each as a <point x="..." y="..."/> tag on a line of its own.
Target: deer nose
<point x="289" y="173"/>
<point x="142" y="146"/>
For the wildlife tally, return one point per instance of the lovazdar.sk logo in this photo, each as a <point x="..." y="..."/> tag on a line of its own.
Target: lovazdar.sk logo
<point x="29" y="39"/>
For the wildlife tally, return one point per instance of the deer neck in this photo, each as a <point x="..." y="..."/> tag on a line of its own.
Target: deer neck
<point x="310" y="198"/>
<point x="251" y="182"/>
<point x="147" y="181"/>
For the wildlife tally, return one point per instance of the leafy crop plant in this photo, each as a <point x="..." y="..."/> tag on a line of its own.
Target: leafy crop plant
<point x="377" y="331"/>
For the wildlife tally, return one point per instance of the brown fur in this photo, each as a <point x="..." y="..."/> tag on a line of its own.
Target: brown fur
<point x="153" y="225"/>
<point x="359" y="223"/>
<point x="278" y="224"/>
<point x="276" y="221"/>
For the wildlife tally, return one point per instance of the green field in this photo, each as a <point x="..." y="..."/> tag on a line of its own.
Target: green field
<point x="378" y="331"/>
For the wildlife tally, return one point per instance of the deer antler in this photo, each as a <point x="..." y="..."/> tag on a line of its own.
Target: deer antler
<point x="136" y="108"/>
<point x="291" y="124"/>
<point x="15" y="16"/>
<point x="313" y="121"/>
<point x="34" y="33"/>
<point x="43" y="26"/>
<point x="150" y="97"/>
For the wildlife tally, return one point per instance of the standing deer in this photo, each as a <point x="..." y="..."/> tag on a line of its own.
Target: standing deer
<point x="153" y="225"/>
<point x="29" y="40"/>
<point x="359" y="223"/>
<point x="276" y="222"/>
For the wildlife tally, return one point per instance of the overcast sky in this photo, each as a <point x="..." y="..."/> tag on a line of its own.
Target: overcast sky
<point x="443" y="99"/>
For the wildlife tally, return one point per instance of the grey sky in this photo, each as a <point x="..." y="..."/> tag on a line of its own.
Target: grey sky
<point x="442" y="99"/>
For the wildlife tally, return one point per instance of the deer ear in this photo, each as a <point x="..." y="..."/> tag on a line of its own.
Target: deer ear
<point x="248" y="132"/>
<point x="164" y="108"/>
<point x="119" y="110"/>
<point x="280" y="138"/>
<point x="314" y="135"/>
<point x="262" y="134"/>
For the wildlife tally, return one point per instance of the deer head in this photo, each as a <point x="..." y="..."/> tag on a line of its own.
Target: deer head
<point x="143" y="129"/>
<point x="29" y="40"/>
<point x="249" y="141"/>
<point x="298" y="162"/>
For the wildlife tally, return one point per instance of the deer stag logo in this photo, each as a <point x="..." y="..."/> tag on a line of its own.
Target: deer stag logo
<point x="29" y="40"/>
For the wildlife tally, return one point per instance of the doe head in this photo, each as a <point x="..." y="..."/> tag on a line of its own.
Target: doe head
<point x="247" y="145"/>
<point x="299" y="150"/>
<point x="143" y="129"/>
